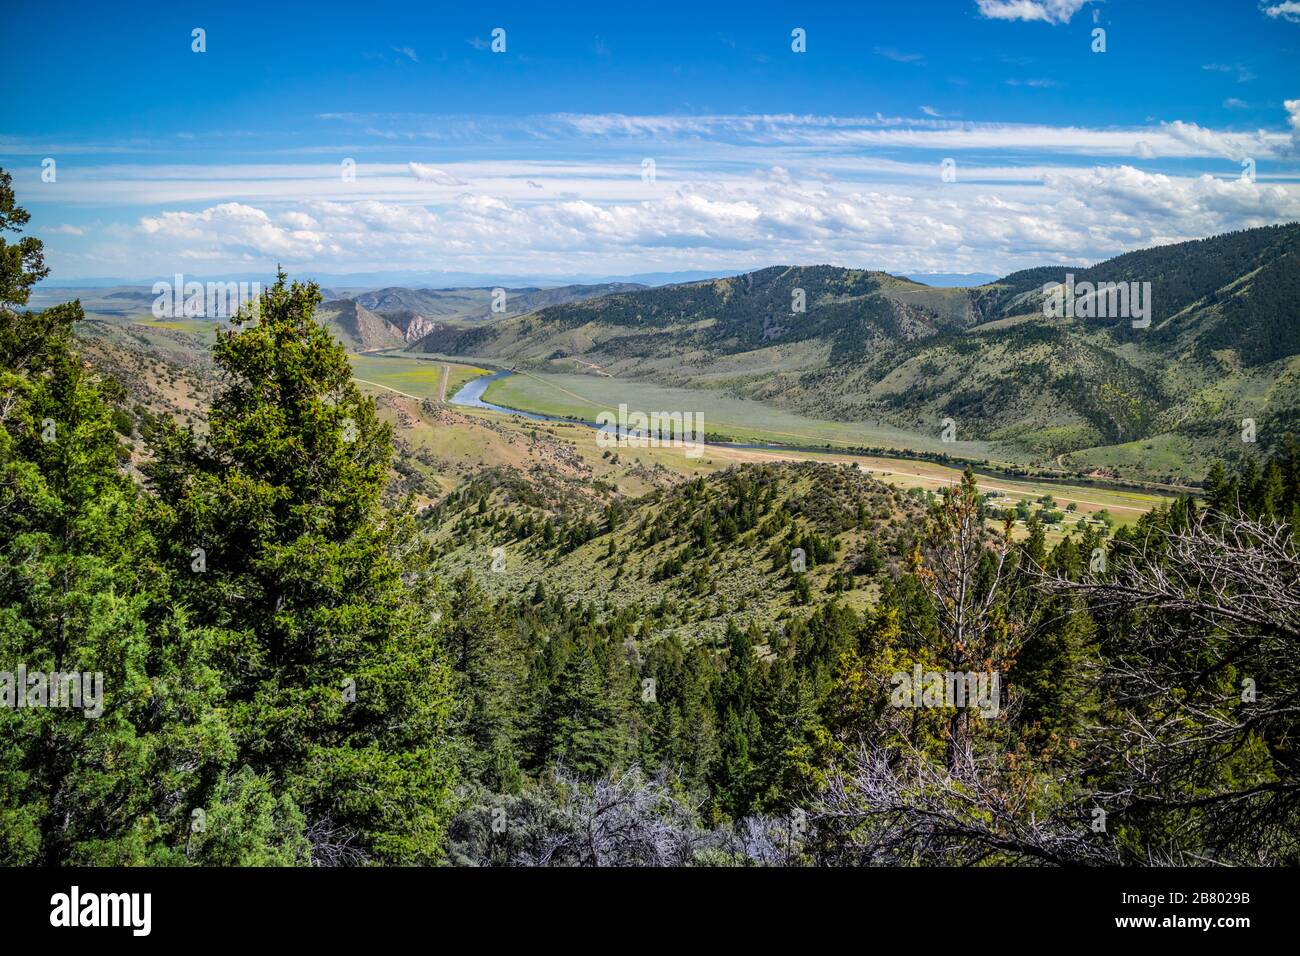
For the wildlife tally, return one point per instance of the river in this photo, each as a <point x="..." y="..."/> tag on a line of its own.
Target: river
<point x="471" y="395"/>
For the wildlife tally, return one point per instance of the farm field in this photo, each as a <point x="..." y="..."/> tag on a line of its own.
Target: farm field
<point x="583" y="397"/>
<point x="410" y="376"/>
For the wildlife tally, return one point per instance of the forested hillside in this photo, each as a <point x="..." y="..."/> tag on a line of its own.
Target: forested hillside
<point x="703" y="556"/>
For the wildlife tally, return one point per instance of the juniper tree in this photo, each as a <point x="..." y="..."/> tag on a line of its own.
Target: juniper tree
<point x="81" y="591"/>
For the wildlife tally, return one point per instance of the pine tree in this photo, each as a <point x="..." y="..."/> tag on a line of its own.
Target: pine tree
<point x="489" y="664"/>
<point x="339" y="684"/>
<point x="579" y="721"/>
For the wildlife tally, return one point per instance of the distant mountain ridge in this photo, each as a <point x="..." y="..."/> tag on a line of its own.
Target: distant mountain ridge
<point x="394" y="317"/>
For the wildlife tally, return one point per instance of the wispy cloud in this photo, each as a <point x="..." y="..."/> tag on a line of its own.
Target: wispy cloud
<point x="1244" y="74"/>
<point x="899" y="56"/>
<point x="432" y="174"/>
<point x="1037" y="83"/>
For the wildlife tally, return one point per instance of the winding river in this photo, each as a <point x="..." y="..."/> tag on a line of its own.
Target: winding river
<point x="471" y="394"/>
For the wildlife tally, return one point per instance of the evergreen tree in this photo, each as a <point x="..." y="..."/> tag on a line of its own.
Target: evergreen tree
<point x="339" y="687"/>
<point x="81" y="592"/>
<point x="579" y="721"/>
<point x="491" y="674"/>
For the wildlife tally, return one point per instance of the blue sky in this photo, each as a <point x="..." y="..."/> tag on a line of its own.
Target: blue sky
<point x="533" y="161"/>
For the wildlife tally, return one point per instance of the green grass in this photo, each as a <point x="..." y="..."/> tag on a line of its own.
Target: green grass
<point x="460" y="374"/>
<point x="421" y="379"/>
<point x="1157" y="455"/>
<point x="416" y="377"/>
<point x="195" y="326"/>
<point x="584" y="396"/>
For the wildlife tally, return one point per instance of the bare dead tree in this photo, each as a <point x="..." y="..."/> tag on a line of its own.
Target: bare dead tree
<point x="974" y="636"/>
<point x="893" y="805"/>
<point x="332" y="845"/>
<point x="626" y="820"/>
<point x="1202" y="669"/>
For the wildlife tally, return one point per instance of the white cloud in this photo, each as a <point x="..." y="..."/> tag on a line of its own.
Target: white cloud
<point x="432" y="174"/>
<point x="1046" y="11"/>
<point x="1287" y="10"/>
<point x="237" y="228"/>
<point x="1199" y="205"/>
<point x="1293" y="119"/>
<point x="1035" y="83"/>
<point x="833" y="133"/>
<point x="739" y="222"/>
<point x="898" y="56"/>
<point x="1232" y="146"/>
<point x="731" y="192"/>
<point x="1244" y="75"/>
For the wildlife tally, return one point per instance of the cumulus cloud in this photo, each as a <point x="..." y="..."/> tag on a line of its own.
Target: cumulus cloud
<point x="743" y="222"/>
<point x="1230" y="146"/>
<point x="1199" y="205"/>
<point x="241" y="229"/>
<point x="1046" y="11"/>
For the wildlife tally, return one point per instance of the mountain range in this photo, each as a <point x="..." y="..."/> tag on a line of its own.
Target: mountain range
<point x="1216" y="361"/>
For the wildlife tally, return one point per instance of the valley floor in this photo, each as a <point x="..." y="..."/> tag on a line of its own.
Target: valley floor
<point x="483" y="437"/>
